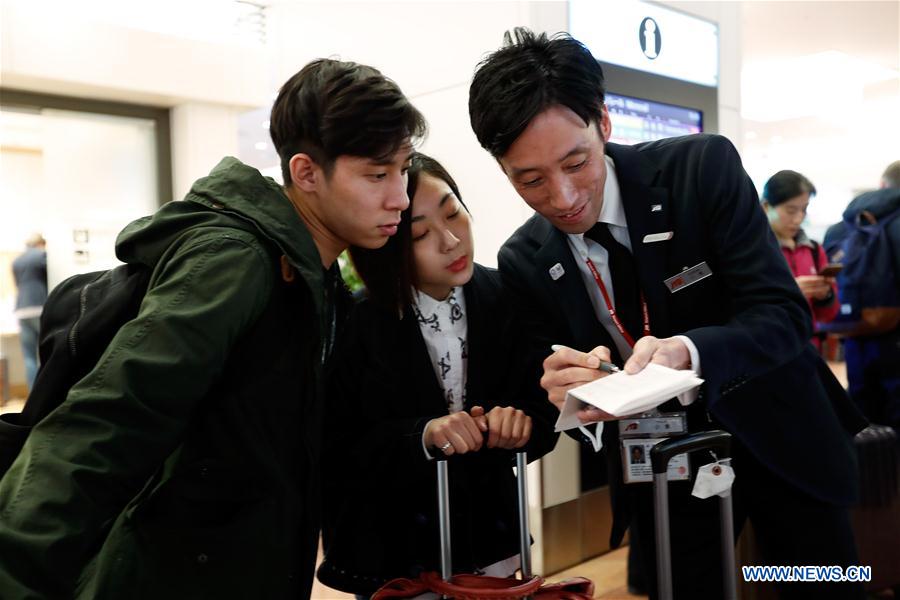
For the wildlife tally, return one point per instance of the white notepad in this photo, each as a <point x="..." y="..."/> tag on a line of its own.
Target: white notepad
<point x="621" y="394"/>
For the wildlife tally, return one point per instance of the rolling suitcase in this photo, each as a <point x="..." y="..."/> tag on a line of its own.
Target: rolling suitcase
<point x="876" y="517"/>
<point x="480" y="587"/>
<point x="720" y="441"/>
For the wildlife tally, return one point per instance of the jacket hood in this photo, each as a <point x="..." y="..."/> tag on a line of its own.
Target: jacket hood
<point x="878" y="202"/>
<point x="232" y="191"/>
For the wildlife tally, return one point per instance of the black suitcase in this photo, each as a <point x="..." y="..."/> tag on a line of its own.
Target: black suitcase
<point x="876" y="519"/>
<point x="720" y="441"/>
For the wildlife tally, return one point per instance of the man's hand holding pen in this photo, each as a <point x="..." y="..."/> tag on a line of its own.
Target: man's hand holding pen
<point x="567" y="368"/>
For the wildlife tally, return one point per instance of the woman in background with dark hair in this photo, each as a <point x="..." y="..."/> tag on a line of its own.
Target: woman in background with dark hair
<point x="785" y="199"/>
<point x="424" y="367"/>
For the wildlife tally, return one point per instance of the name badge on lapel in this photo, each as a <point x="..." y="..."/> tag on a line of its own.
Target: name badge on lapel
<point x="659" y="237"/>
<point x="688" y="277"/>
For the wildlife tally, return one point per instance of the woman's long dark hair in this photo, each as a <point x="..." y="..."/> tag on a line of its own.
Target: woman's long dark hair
<point x="389" y="272"/>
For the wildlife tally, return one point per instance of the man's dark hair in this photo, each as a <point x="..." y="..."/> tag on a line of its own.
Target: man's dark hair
<point x="389" y="272"/>
<point x="526" y="76"/>
<point x="332" y="108"/>
<point x="891" y="176"/>
<point x="784" y="185"/>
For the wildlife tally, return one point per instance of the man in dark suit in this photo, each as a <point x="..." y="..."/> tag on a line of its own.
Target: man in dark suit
<point x="659" y="253"/>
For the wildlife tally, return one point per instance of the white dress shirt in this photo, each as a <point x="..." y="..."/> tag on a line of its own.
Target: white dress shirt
<point x="613" y="213"/>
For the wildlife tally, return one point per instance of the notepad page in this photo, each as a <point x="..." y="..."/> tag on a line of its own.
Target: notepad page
<point x="622" y="394"/>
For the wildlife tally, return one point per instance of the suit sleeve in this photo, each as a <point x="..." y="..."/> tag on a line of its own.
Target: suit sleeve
<point x="84" y="462"/>
<point x="364" y="382"/>
<point x="521" y="388"/>
<point x="769" y="322"/>
<point x="535" y="333"/>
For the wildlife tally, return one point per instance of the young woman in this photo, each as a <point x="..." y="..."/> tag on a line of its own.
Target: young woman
<point x="426" y="365"/>
<point x="786" y="197"/>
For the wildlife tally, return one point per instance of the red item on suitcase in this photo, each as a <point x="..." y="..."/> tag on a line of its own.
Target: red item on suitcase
<point x="483" y="587"/>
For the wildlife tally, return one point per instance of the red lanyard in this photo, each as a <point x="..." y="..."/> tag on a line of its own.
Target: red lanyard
<point x="612" y="311"/>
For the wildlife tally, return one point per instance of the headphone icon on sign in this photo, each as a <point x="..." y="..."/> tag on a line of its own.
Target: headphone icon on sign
<point x="650" y="38"/>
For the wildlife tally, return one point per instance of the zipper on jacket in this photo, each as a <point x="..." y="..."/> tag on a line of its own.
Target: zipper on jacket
<point x="81" y="310"/>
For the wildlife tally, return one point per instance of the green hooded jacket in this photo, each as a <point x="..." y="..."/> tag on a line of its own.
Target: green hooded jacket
<point x="185" y="465"/>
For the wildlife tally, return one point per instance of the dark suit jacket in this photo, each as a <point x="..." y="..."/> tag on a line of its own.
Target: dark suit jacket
<point x="380" y="500"/>
<point x="751" y="325"/>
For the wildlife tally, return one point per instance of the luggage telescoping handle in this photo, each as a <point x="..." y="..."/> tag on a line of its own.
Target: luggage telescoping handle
<point x="444" y="513"/>
<point x="660" y="454"/>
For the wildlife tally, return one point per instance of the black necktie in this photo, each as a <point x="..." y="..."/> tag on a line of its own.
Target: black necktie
<point x="623" y="273"/>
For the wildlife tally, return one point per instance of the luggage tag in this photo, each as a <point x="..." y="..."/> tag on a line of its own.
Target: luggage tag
<point x="688" y="277"/>
<point x="636" y="465"/>
<point x="714" y="479"/>
<point x="654" y="424"/>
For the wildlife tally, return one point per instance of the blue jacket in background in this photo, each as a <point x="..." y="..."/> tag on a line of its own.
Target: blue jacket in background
<point x="30" y="272"/>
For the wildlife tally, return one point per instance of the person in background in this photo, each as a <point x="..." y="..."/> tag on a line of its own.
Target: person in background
<point x="425" y="366"/>
<point x="872" y="349"/>
<point x="30" y="273"/>
<point x="785" y="199"/>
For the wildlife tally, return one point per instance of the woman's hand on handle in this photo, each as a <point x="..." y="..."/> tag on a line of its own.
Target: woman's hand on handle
<point x="460" y="430"/>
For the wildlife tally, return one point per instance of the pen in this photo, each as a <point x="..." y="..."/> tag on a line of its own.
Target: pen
<point x="604" y="366"/>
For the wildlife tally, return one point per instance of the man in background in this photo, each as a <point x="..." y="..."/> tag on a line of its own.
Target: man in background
<point x="30" y="273"/>
<point x="872" y="347"/>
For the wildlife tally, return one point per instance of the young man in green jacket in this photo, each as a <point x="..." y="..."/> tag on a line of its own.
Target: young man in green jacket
<point x="185" y="465"/>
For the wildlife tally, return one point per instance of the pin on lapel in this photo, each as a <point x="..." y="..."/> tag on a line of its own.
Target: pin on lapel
<point x="658" y="237"/>
<point x="556" y="271"/>
<point x="656" y="208"/>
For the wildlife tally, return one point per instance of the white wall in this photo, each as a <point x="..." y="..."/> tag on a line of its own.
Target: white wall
<point x="21" y="172"/>
<point x="69" y="48"/>
<point x="79" y="196"/>
<point x="202" y="134"/>
<point x="65" y="48"/>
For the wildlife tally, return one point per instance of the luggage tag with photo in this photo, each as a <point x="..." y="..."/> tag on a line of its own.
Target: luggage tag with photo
<point x="716" y="478"/>
<point x="636" y="465"/>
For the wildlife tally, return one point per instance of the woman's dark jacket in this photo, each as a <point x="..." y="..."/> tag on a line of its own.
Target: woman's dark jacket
<point x="380" y="518"/>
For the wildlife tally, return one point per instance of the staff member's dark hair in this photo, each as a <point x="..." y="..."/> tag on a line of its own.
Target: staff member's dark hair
<point x="784" y="185"/>
<point x="526" y="76"/>
<point x="332" y="108"/>
<point x="389" y="272"/>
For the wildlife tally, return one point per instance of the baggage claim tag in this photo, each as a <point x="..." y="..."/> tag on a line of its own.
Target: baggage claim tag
<point x="660" y="424"/>
<point x="714" y="478"/>
<point x="636" y="466"/>
<point x="638" y="435"/>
